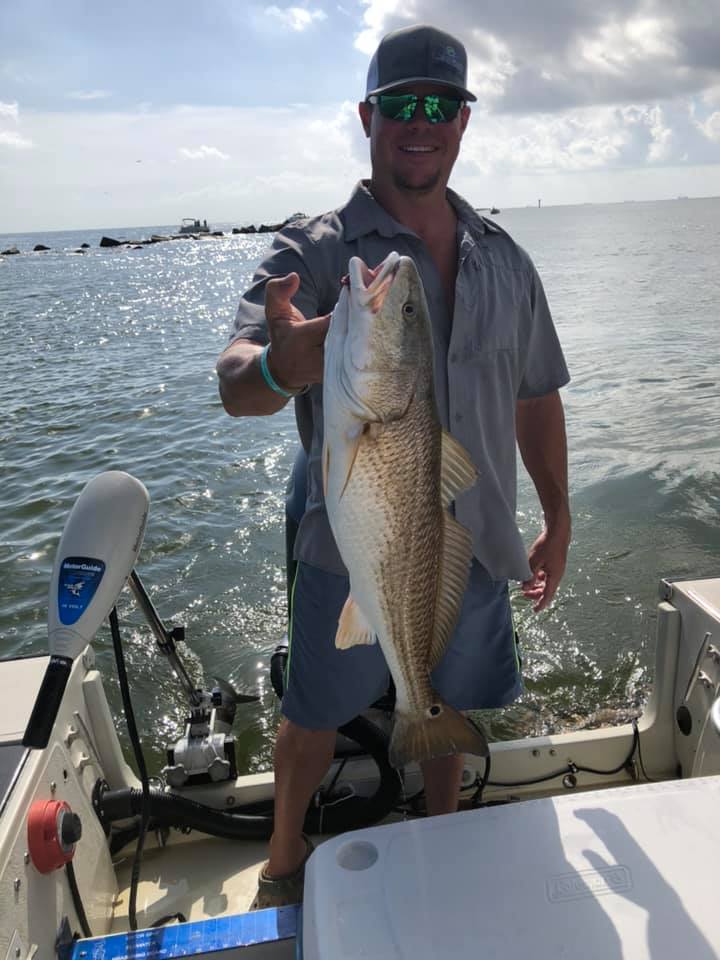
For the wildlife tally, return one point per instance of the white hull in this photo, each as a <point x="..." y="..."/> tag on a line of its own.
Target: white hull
<point x="203" y="877"/>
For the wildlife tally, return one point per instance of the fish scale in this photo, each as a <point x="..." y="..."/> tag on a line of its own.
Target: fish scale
<point x="404" y="532"/>
<point x="389" y="472"/>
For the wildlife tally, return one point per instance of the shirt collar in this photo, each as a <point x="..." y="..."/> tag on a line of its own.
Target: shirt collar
<point x="363" y="214"/>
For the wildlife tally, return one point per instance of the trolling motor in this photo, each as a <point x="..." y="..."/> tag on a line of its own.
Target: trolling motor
<point x="95" y="559"/>
<point x="207" y="750"/>
<point x="97" y="551"/>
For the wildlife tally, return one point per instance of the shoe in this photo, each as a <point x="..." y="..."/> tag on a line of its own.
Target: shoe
<point x="282" y="891"/>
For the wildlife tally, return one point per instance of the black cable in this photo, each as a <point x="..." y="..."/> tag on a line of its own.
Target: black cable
<point x="570" y="768"/>
<point x="482" y="782"/>
<point x="640" y="756"/>
<point x="77" y="899"/>
<point x="180" y="917"/>
<point x="341" y="767"/>
<point x="139" y="760"/>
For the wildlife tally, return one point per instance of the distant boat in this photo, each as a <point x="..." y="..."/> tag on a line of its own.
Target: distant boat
<point x="194" y="226"/>
<point x="493" y="211"/>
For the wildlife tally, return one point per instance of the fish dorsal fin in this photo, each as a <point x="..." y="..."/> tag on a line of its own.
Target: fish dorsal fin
<point x="353" y="628"/>
<point x="452" y="582"/>
<point x="457" y="472"/>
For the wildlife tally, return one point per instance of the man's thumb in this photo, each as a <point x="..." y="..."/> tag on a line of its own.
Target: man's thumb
<point x="279" y="290"/>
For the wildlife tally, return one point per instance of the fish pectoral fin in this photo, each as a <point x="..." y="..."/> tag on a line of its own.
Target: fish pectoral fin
<point x="348" y="455"/>
<point x="353" y="628"/>
<point x="457" y="471"/>
<point x="452" y="583"/>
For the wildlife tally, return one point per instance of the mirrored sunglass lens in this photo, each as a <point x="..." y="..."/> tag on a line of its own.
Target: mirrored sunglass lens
<point x="399" y="107"/>
<point x="441" y="109"/>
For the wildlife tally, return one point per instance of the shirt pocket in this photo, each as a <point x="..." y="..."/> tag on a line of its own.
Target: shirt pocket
<point x="491" y="322"/>
<point x="488" y="346"/>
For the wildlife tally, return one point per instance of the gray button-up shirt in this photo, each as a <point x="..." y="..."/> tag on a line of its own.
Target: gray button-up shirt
<point x="499" y="345"/>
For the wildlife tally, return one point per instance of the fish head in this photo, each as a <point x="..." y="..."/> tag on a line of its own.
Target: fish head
<point x="388" y="332"/>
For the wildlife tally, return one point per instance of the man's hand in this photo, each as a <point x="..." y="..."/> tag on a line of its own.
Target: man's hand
<point x="296" y="345"/>
<point x="547" y="559"/>
<point x="540" y="425"/>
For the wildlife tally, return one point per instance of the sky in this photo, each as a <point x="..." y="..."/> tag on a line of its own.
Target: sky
<point x="236" y="111"/>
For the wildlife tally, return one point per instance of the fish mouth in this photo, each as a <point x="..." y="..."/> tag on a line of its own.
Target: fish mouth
<point x="373" y="285"/>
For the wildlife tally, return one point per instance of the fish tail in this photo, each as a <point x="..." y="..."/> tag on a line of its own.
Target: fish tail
<point x="438" y="731"/>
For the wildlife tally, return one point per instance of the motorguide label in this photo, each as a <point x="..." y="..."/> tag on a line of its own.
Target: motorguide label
<point x="79" y="579"/>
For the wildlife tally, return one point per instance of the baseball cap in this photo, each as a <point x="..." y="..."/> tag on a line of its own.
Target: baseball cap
<point x="418" y="54"/>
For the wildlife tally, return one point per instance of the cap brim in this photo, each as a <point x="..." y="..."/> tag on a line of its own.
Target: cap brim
<point x="465" y="94"/>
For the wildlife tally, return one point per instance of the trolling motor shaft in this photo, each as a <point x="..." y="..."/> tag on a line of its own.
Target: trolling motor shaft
<point x="165" y="638"/>
<point x="207" y="749"/>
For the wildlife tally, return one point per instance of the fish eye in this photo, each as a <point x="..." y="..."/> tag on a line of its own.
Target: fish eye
<point x="408" y="310"/>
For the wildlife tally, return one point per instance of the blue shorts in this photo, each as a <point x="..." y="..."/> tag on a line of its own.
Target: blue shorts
<point x="326" y="687"/>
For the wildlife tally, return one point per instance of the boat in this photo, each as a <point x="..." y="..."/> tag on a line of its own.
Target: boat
<point x="591" y="844"/>
<point x="190" y="225"/>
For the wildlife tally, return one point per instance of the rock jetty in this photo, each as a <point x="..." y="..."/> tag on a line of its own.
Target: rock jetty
<point x="113" y="242"/>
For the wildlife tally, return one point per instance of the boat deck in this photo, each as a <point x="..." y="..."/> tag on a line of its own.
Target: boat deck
<point x="199" y="878"/>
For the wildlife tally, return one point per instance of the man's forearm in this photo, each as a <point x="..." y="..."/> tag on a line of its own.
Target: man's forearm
<point x="243" y="390"/>
<point x="540" y="428"/>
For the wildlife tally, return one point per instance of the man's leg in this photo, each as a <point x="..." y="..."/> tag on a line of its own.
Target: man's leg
<point x="442" y="777"/>
<point x="302" y="758"/>
<point x="324" y="688"/>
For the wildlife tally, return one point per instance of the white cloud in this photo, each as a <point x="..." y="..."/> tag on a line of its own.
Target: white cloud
<point x="203" y="152"/>
<point x="9" y="110"/>
<point x="376" y="18"/>
<point x="617" y="47"/>
<point x="9" y="138"/>
<point x="89" y="95"/>
<point x="711" y="127"/>
<point x="662" y="136"/>
<point x="546" y="57"/>
<point x="488" y="76"/>
<point x="711" y="96"/>
<point x="573" y="141"/>
<point x="295" y="18"/>
<point x="282" y="159"/>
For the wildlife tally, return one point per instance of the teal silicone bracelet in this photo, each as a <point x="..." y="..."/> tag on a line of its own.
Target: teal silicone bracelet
<point x="268" y="377"/>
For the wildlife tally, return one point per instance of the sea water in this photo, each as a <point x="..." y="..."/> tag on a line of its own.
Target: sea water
<point x="108" y="363"/>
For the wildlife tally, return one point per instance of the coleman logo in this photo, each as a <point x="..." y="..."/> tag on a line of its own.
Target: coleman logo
<point x="588" y="883"/>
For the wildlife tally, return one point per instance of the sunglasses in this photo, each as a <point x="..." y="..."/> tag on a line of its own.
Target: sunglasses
<point x="401" y="106"/>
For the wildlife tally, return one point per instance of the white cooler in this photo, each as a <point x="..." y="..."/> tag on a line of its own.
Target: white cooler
<point x="623" y="874"/>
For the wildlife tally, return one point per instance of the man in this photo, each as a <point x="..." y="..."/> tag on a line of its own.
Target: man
<point x="498" y="368"/>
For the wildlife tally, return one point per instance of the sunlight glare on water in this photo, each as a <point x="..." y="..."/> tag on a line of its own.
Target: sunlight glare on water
<point x="110" y="365"/>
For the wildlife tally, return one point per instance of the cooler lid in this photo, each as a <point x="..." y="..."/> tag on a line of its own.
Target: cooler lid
<point x="603" y="875"/>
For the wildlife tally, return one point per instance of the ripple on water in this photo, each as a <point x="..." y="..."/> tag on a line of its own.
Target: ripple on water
<point x="111" y="359"/>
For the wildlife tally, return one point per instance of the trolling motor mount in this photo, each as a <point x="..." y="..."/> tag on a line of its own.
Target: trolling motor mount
<point x="207" y="750"/>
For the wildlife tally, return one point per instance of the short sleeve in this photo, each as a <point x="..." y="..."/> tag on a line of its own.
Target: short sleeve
<point x="287" y="255"/>
<point x="544" y="369"/>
